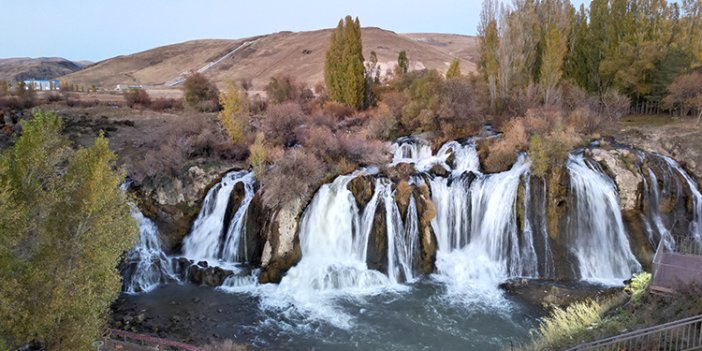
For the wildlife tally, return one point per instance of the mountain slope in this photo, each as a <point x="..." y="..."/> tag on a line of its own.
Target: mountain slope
<point x="298" y="54"/>
<point x="24" y="68"/>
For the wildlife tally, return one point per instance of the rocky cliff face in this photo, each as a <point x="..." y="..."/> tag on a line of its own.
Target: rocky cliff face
<point x="174" y="204"/>
<point x="273" y="238"/>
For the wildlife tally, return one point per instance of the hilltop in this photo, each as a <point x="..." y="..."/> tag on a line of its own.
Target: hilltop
<point x="257" y="59"/>
<point x="23" y="68"/>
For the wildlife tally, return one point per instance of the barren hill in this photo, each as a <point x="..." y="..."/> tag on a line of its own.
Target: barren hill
<point x="298" y="54"/>
<point x="24" y="68"/>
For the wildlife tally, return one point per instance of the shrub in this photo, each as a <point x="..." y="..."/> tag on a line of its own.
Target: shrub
<point x="165" y="150"/>
<point x="424" y="101"/>
<point x="361" y="150"/>
<point x="226" y="345"/>
<point x="257" y="105"/>
<point x="295" y="175"/>
<point x="614" y="105"/>
<point x="281" y="123"/>
<point x="200" y="93"/>
<point x="337" y="109"/>
<point x="503" y="153"/>
<point x="284" y="88"/>
<point x="322" y="141"/>
<point x="135" y="97"/>
<point x="166" y="104"/>
<point x="382" y="123"/>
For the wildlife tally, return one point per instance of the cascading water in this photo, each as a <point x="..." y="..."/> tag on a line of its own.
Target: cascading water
<point x="695" y="226"/>
<point x="214" y="236"/>
<point x="146" y="265"/>
<point x="596" y="234"/>
<point x="478" y="238"/>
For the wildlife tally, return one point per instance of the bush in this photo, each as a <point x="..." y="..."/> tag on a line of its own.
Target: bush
<point x="226" y="345"/>
<point x="281" y="122"/>
<point x="294" y="176"/>
<point x="135" y="97"/>
<point x="382" y="123"/>
<point x="165" y="150"/>
<point x="166" y="104"/>
<point x="284" y="88"/>
<point x="199" y="93"/>
<point x="614" y="105"/>
<point x="337" y="109"/>
<point x="503" y="153"/>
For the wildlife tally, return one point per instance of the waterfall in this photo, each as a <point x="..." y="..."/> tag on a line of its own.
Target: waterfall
<point x="596" y="234"/>
<point x="476" y="228"/>
<point x="214" y="236"/>
<point x="333" y="239"/>
<point x="695" y="226"/>
<point x="146" y="265"/>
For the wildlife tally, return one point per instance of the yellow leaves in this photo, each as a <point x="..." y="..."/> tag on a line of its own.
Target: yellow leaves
<point x="258" y="155"/>
<point x="235" y="110"/>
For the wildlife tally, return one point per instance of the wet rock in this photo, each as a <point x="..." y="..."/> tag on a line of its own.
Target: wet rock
<point x="440" y="170"/>
<point x="428" y="243"/>
<point x="619" y="164"/>
<point x="376" y="256"/>
<point x="362" y="189"/>
<point x="401" y="171"/>
<point x="547" y="294"/>
<point x="282" y="248"/>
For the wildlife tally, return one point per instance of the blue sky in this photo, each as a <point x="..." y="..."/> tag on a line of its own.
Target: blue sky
<point x="100" y="29"/>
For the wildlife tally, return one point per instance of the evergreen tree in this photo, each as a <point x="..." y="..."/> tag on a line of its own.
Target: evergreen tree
<point x="454" y="70"/>
<point x="61" y="238"/>
<point x="402" y="64"/>
<point x="343" y="67"/>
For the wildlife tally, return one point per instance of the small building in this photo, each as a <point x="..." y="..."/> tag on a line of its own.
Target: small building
<point x="43" y="84"/>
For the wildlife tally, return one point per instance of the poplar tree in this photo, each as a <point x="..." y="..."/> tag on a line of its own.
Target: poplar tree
<point x="343" y="67"/>
<point x="235" y="110"/>
<point x="65" y="226"/>
<point x="454" y="71"/>
<point x="402" y="63"/>
<point x="488" y="63"/>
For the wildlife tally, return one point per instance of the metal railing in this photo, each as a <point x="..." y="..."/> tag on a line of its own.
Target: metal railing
<point x="687" y="245"/>
<point x="145" y="340"/>
<point x="680" y="335"/>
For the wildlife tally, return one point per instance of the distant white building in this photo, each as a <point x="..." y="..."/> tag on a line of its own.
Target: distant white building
<point x="123" y="87"/>
<point x="43" y="84"/>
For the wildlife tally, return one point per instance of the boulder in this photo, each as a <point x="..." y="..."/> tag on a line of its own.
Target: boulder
<point x="282" y="247"/>
<point x="619" y="164"/>
<point x="362" y="189"/>
<point x="377" y="252"/>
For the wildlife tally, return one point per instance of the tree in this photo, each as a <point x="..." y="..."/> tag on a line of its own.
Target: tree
<point x="684" y="92"/>
<point x="488" y="64"/>
<point x="259" y="155"/>
<point x="235" y="112"/>
<point x="343" y="67"/>
<point x="62" y="239"/>
<point x="454" y="70"/>
<point x="199" y="91"/>
<point x="402" y="64"/>
<point x="555" y="48"/>
<point x="135" y="97"/>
